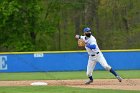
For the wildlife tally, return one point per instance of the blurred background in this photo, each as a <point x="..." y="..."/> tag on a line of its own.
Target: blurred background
<point x="50" y="25"/>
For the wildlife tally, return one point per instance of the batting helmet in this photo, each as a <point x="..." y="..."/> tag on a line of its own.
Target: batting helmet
<point x="87" y="29"/>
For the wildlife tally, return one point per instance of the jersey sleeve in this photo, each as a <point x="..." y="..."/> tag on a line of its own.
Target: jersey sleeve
<point x="82" y="37"/>
<point x="92" y="43"/>
<point x="93" y="46"/>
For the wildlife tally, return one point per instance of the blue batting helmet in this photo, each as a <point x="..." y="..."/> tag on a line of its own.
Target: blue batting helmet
<point x="87" y="29"/>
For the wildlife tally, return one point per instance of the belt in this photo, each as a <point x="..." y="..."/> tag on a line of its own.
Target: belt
<point x="94" y="54"/>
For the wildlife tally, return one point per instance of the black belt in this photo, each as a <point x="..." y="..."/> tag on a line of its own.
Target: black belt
<point x="96" y="53"/>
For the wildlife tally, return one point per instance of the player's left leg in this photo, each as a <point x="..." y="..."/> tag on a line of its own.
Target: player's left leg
<point x="103" y="62"/>
<point x="90" y="66"/>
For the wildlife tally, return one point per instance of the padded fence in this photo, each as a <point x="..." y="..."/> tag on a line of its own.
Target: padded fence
<point x="65" y="61"/>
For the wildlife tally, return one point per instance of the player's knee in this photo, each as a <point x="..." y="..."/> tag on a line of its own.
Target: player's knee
<point x="107" y="68"/>
<point x="89" y="74"/>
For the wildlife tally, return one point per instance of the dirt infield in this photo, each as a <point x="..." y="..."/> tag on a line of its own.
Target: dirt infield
<point x="126" y="84"/>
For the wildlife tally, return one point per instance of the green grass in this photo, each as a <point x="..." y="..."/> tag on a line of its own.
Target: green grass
<point x="67" y="75"/>
<point x="58" y="89"/>
<point x="60" y="76"/>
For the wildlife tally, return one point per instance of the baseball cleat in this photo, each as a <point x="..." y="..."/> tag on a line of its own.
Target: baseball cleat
<point x="119" y="78"/>
<point x="88" y="82"/>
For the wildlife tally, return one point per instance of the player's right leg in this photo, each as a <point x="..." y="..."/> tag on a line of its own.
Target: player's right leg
<point x="103" y="62"/>
<point x="116" y="75"/>
<point x="90" y="67"/>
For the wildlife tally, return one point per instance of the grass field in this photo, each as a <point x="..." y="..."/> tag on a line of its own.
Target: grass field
<point x="67" y="75"/>
<point x="61" y="76"/>
<point x="58" y="89"/>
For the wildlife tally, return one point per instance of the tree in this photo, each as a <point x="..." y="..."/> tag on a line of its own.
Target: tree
<point x="19" y="24"/>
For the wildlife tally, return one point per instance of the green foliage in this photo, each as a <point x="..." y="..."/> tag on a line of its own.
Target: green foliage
<point x="19" y="24"/>
<point x="40" y="25"/>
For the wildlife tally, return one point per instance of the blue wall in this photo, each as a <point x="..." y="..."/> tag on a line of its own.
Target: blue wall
<point x="65" y="61"/>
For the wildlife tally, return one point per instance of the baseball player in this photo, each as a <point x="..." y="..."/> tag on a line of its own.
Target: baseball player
<point x="95" y="55"/>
